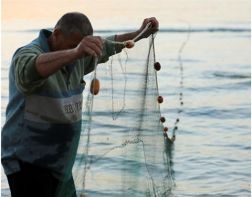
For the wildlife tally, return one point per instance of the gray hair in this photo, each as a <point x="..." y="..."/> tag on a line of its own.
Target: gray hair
<point x="75" y="22"/>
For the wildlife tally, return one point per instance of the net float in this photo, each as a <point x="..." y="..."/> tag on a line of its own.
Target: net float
<point x="95" y="86"/>
<point x="165" y="129"/>
<point x="129" y="44"/>
<point x="160" y="99"/>
<point x="173" y="138"/>
<point x="157" y="66"/>
<point x="162" y="119"/>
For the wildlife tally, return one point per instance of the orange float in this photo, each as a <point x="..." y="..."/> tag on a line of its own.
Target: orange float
<point x="95" y="86"/>
<point x="129" y="44"/>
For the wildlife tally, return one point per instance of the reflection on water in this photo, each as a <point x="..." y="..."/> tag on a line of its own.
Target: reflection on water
<point x="211" y="156"/>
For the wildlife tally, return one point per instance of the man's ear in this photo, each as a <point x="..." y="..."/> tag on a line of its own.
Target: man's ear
<point x="57" y="32"/>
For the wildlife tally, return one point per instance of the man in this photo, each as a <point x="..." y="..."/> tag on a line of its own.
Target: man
<point x="43" y="117"/>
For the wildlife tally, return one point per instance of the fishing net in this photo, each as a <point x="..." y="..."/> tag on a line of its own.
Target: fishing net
<point x="124" y="149"/>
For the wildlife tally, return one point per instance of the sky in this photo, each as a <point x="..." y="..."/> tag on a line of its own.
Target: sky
<point x="18" y="14"/>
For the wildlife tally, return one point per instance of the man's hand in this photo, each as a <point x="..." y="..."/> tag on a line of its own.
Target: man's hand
<point x="154" y="25"/>
<point x="89" y="45"/>
<point x="153" y="28"/>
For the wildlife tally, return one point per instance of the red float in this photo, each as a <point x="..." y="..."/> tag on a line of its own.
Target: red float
<point x="157" y="66"/>
<point x="162" y="119"/>
<point x="160" y="99"/>
<point x="165" y="129"/>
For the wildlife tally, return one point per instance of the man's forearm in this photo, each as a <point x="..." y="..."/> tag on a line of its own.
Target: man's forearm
<point x="49" y="63"/>
<point x="149" y="26"/>
<point x="127" y="36"/>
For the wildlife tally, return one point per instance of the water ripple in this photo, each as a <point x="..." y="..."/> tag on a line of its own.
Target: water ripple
<point x="232" y="75"/>
<point x="211" y="112"/>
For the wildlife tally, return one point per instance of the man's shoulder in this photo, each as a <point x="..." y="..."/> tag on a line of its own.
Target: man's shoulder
<point x="31" y="48"/>
<point x="37" y="46"/>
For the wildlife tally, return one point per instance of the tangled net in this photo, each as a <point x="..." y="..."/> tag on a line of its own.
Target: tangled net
<point x="124" y="149"/>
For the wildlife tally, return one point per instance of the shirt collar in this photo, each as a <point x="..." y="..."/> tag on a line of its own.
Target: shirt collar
<point x="44" y="34"/>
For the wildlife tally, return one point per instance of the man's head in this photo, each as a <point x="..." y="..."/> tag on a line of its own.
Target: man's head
<point x="69" y="31"/>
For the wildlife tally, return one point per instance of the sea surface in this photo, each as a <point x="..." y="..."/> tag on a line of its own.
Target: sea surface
<point x="212" y="151"/>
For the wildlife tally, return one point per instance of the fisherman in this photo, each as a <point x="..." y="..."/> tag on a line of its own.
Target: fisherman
<point x="43" y="116"/>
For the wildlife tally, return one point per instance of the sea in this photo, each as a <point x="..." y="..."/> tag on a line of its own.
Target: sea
<point x="212" y="151"/>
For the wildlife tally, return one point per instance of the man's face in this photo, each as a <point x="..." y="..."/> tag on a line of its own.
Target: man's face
<point x="61" y="41"/>
<point x="71" y="41"/>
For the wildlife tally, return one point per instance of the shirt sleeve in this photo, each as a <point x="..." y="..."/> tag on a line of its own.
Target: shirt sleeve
<point x="109" y="49"/>
<point x="26" y="75"/>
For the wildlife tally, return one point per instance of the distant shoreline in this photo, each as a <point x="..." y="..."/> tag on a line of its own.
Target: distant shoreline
<point x="162" y="30"/>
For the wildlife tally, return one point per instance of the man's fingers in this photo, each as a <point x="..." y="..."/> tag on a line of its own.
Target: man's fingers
<point x="90" y="51"/>
<point x="96" y="44"/>
<point x="95" y="47"/>
<point x="154" y="22"/>
<point x="97" y="41"/>
<point x="90" y="45"/>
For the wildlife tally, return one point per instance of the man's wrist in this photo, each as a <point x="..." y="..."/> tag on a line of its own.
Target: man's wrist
<point x="75" y="53"/>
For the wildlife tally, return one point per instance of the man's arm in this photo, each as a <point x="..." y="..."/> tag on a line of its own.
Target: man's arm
<point x="151" y="30"/>
<point x="49" y="63"/>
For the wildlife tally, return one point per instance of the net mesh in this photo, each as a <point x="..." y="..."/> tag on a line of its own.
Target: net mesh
<point x="122" y="150"/>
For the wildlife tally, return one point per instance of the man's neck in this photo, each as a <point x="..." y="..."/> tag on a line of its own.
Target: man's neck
<point x="50" y="43"/>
